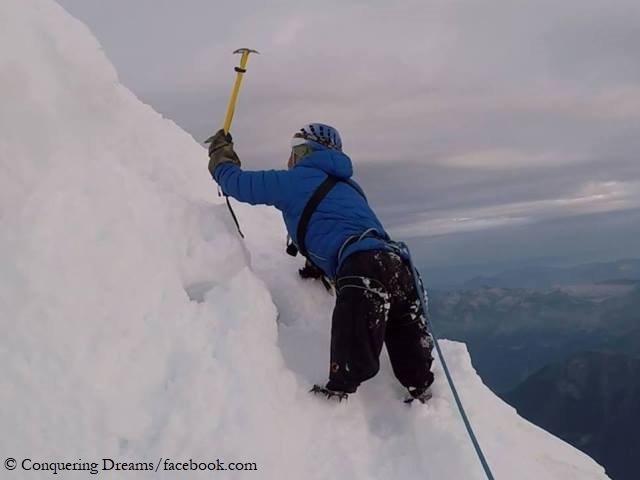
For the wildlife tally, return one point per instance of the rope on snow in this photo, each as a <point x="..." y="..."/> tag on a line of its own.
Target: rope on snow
<point x="421" y="293"/>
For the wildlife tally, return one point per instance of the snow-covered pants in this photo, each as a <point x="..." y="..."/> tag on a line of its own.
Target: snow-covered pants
<point x="377" y="303"/>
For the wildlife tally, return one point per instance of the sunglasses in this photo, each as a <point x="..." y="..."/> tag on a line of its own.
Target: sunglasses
<point x="299" y="149"/>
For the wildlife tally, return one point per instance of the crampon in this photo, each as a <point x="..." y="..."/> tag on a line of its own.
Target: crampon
<point x="421" y="395"/>
<point x="330" y="394"/>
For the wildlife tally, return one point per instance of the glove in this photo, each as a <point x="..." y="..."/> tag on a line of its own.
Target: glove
<point x="221" y="150"/>
<point x="310" y="271"/>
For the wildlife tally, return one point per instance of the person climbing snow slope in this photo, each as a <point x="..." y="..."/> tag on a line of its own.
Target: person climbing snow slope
<point x="331" y="223"/>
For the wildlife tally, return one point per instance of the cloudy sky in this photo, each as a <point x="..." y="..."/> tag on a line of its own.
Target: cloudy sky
<point x="484" y="132"/>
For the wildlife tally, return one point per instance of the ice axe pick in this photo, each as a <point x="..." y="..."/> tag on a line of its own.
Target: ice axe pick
<point x="240" y="71"/>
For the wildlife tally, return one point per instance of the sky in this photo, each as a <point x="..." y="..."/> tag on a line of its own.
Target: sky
<point x="485" y="133"/>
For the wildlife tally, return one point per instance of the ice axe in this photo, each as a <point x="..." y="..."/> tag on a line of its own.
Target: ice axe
<point x="240" y="71"/>
<point x="231" y="106"/>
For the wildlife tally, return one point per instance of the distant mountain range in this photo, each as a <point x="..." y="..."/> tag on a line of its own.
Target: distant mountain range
<point x="591" y="400"/>
<point x="548" y="277"/>
<point x="511" y="333"/>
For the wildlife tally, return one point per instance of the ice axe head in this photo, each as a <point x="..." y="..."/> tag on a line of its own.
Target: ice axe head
<point x="245" y="50"/>
<point x="245" y="54"/>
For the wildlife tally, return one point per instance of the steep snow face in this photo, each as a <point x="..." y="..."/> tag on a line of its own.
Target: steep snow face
<point x="126" y="325"/>
<point x="137" y="326"/>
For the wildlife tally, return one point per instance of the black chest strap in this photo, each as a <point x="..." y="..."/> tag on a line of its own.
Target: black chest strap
<point x="320" y="192"/>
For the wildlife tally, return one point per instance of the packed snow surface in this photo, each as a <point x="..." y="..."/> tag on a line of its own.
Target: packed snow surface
<point x="137" y="325"/>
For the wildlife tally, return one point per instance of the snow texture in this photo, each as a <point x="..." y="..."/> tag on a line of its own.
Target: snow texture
<point x="137" y="325"/>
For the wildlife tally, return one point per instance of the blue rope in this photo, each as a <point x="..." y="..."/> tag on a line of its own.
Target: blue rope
<point x="421" y="294"/>
<point x="465" y="419"/>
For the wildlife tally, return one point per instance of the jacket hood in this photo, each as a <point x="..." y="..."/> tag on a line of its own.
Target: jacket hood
<point x="329" y="161"/>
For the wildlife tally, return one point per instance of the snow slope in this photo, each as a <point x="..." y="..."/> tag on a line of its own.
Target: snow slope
<point x="137" y="326"/>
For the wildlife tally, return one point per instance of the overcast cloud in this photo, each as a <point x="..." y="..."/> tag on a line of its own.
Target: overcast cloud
<point x="460" y="116"/>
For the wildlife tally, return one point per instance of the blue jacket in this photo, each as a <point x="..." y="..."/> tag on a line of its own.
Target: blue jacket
<point x="342" y="214"/>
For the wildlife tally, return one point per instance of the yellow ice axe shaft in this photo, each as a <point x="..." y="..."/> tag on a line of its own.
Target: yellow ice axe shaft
<point x="240" y="71"/>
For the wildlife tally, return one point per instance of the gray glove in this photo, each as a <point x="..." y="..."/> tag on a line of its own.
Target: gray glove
<point x="221" y="150"/>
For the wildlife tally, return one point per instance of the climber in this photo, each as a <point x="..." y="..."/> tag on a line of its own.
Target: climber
<point x="330" y="222"/>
